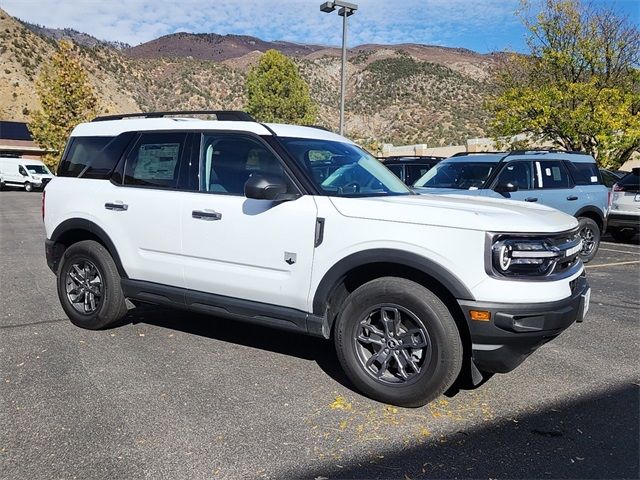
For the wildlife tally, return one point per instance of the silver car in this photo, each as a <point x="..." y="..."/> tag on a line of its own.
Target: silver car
<point x="624" y="213"/>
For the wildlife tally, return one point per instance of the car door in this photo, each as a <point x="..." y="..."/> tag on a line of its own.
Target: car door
<point x="558" y="190"/>
<point x="141" y="207"/>
<point x="520" y="173"/>
<point x="233" y="246"/>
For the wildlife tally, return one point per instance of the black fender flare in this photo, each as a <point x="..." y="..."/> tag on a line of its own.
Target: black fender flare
<point x="89" y="226"/>
<point x="386" y="255"/>
<point x="596" y="211"/>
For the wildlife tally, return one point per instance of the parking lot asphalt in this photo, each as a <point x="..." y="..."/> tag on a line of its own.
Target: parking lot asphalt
<point x="176" y="395"/>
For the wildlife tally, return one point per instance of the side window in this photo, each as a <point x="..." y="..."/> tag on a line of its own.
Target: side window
<point x="397" y="170"/>
<point x="518" y="173"/>
<point x="584" y="173"/>
<point x="22" y="171"/>
<point x="414" y="172"/>
<point x="154" y="160"/>
<point x="552" y="174"/>
<point x="227" y="161"/>
<point x="83" y="153"/>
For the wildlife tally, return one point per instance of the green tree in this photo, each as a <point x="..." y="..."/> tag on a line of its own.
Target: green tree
<point x="580" y="86"/>
<point x="67" y="99"/>
<point x="277" y="93"/>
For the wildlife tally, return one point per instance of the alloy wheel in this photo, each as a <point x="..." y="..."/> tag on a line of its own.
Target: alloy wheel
<point x="588" y="240"/>
<point x="392" y="344"/>
<point x="84" y="287"/>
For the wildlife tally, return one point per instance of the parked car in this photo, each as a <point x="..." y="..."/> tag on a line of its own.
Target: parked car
<point x="419" y="293"/>
<point x="25" y="173"/>
<point x="609" y="178"/>
<point x="567" y="181"/>
<point x="624" y="215"/>
<point x="410" y="169"/>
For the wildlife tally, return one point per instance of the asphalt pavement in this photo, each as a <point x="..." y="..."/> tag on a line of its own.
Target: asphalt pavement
<point x="175" y="395"/>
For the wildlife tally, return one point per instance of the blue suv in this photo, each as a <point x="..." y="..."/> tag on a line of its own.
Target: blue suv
<point x="567" y="181"/>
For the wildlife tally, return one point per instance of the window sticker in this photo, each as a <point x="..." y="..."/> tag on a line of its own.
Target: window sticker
<point x="594" y="179"/>
<point x="157" y="161"/>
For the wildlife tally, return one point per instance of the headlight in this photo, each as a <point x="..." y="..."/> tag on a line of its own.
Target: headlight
<point x="532" y="257"/>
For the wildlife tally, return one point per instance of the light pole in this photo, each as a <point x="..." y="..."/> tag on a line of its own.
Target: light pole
<point x="346" y="10"/>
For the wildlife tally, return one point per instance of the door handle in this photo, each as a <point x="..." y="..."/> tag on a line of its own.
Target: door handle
<point x="531" y="199"/>
<point x="572" y="197"/>
<point x="120" y="207"/>
<point x="208" y="215"/>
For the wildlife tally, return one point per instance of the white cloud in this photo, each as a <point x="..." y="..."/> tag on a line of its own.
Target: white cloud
<point x="377" y="21"/>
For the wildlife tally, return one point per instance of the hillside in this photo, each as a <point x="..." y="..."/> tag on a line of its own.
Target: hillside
<point x="400" y="93"/>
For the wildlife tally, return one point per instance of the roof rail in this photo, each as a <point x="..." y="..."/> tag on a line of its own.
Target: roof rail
<point x="462" y="154"/>
<point x="535" y="151"/>
<point x="221" y="115"/>
<point x="412" y="157"/>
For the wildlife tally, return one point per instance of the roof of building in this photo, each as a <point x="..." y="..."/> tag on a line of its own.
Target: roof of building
<point x="10" y="130"/>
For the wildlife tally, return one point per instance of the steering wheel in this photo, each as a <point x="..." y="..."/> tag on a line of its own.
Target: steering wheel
<point x="356" y="187"/>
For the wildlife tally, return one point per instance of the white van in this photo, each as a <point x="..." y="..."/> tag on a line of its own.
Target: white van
<point x="23" y="172"/>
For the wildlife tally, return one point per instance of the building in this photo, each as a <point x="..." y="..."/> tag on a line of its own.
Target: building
<point x="16" y="141"/>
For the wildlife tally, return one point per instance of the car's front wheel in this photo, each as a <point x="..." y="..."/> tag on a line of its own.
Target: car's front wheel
<point x="28" y="187"/>
<point x="590" y="233"/>
<point x="89" y="286"/>
<point x="398" y="342"/>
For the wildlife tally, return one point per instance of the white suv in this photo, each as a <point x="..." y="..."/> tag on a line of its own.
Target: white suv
<point x="300" y="229"/>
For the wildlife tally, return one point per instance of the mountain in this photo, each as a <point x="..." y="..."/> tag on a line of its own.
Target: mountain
<point x="396" y="93"/>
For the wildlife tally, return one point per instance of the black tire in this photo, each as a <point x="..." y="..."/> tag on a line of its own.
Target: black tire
<point x="109" y="305"/>
<point x="28" y="187"/>
<point x="440" y="361"/>
<point x="590" y="233"/>
<point x="623" y="234"/>
<point x="2" y="186"/>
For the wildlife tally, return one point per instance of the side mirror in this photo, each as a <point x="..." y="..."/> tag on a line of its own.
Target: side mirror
<point x="507" y="187"/>
<point x="261" y="187"/>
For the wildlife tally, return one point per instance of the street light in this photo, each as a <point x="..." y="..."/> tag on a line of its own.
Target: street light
<point x="346" y="10"/>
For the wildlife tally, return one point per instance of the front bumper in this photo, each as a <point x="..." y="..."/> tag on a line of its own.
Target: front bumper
<point x="515" y="331"/>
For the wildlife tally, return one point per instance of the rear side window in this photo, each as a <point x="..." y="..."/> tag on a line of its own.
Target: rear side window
<point x="86" y="158"/>
<point x="584" y="173"/>
<point x="154" y="161"/>
<point x="631" y="181"/>
<point x="552" y="174"/>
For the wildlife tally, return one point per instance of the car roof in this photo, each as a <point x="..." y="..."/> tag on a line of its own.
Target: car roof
<point x="529" y="155"/>
<point x="112" y="128"/>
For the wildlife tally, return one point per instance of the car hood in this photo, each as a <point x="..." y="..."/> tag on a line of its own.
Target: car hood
<point x="458" y="211"/>
<point x="445" y="191"/>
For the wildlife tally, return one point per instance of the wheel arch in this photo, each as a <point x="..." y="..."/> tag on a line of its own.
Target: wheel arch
<point x="594" y="214"/>
<point x="361" y="267"/>
<point x="75" y="230"/>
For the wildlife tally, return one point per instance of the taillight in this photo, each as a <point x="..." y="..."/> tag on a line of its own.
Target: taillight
<point x="618" y="188"/>
<point x="44" y="192"/>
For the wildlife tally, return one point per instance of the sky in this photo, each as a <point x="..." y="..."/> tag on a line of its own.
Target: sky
<point x="480" y="25"/>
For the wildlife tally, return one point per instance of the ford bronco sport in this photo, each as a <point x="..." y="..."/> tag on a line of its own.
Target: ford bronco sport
<point x="568" y="181"/>
<point x="300" y="229"/>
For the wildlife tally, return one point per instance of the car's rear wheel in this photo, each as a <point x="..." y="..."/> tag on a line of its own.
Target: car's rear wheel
<point x="89" y="286"/>
<point x="590" y="233"/>
<point x="623" y="234"/>
<point x="398" y="342"/>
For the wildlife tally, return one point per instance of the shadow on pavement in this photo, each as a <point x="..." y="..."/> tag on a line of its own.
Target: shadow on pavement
<point x="244" y="333"/>
<point x="589" y="437"/>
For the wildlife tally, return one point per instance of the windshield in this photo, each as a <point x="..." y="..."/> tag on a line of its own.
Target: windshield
<point x="460" y="175"/>
<point x="38" y="169"/>
<point x="343" y="169"/>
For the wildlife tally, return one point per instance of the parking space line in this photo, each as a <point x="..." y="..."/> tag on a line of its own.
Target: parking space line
<point x="612" y="264"/>
<point x="626" y="245"/>
<point x="619" y="251"/>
